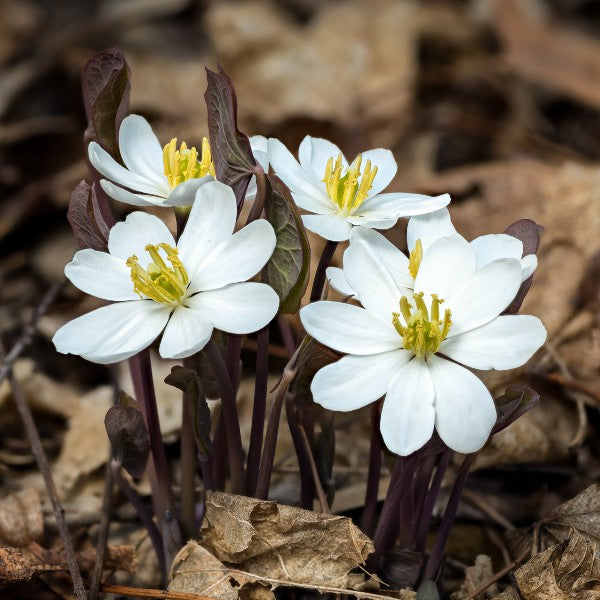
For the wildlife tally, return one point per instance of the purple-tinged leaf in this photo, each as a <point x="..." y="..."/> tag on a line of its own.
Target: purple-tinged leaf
<point x="401" y="567"/>
<point x="128" y="436"/>
<point x="513" y="404"/>
<point x="105" y="86"/>
<point x="529" y="232"/>
<point x="188" y="381"/>
<point x="230" y="148"/>
<point x="289" y="265"/>
<point x="89" y="228"/>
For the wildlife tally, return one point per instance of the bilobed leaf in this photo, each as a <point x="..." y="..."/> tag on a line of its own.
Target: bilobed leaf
<point x="87" y="223"/>
<point x="530" y="233"/>
<point x="188" y="381"/>
<point x="288" y="267"/>
<point x="513" y="404"/>
<point x="230" y="148"/>
<point x="128" y="437"/>
<point x="105" y="85"/>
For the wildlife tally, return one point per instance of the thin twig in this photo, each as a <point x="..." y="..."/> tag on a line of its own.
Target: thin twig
<point x="487" y="509"/>
<point x="574" y="385"/>
<point x="29" y="330"/>
<point x="313" y="468"/>
<point x="40" y="457"/>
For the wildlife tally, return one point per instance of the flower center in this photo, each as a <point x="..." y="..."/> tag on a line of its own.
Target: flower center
<point x="414" y="261"/>
<point x="183" y="164"/>
<point x="424" y="331"/>
<point x="159" y="282"/>
<point x="348" y="191"/>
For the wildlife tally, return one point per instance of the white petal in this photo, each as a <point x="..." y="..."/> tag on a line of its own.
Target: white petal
<point x="529" y="265"/>
<point x="371" y="223"/>
<point x="373" y="283"/>
<point x="294" y="176"/>
<point x="236" y="259"/>
<point x="484" y="296"/>
<point x="464" y="409"/>
<point x="260" y="148"/>
<point x="132" y="235"/>
<point x="106" y="165"/>
<point x="349" y="329"/>
<point x="141" y="150"/>
<point x="186" y="333"/>
<point x="505" y="343"/>
<point x="393" y="259"/>
<point x="237" y="308"/>
<point x="408" y="415"/>
<point x="251" y="190"/>
<point x="330" y="227"/>
<point x="210" y="222"/>
<point x="336" y="279"/>
<point x="396" y="205"/>
<point x="355" y="381"/>
<point x="429" y="228"/>
<point x="495" y="246"/>
<point x="386" y="168"/>
<point x="447" y="264"/>
<point x="113" y="332"/>
<point x="123" y="195"/>
<point x="101" y="275"/>
<point x="313" y="155"/>
<point x="184" y="193"/>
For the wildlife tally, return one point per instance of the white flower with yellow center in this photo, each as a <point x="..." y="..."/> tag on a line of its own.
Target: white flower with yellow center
<point x="186" y="288"/>
<point x="343" y="195"/>
<point x="423" y="231"/>
<point x="152" y="175"/>
<point x="399" y="344"/>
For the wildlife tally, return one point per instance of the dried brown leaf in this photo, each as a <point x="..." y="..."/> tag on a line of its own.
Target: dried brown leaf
<point x="21" y="518"/>
<point x="19" y="564"/>
<point x="475" y="576"/>
<point x="283" y="542"/>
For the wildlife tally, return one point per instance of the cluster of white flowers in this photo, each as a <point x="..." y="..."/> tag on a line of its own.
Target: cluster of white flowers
<point x="419" y="315"/>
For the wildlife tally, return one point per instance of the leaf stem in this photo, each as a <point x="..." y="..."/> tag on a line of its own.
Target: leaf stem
<point x="188" y="472"/>
<point x="374" y="474"/>
<point x="324" y="262"/>
<point x="229" y="415"/>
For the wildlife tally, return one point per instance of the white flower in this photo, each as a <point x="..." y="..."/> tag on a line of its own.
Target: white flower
<point x="423" y="231"/>
<point x="153" y="176"/>
<point x="187" y="288"/>
<point x="343" y="195"/>
<point x="399" y="343"/>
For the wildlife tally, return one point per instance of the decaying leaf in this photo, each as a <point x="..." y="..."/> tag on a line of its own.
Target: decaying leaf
<point x="21" y="518"/>
<point x="283" y="542"/>
<point x="18" y="564"/>
<point x="563" y="571"/>
<point x="580" y="515"/>
<point x="475" y="576"/>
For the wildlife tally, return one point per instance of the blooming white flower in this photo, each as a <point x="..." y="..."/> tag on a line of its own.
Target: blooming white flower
<point x="343" y="195"/>
<point x="153" y="176"/>
<point x="186" y="288"/>
<point x="422" y="231"/>
<point x="399" y="344"/>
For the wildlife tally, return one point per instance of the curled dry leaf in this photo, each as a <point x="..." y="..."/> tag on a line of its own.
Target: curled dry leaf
<point x="563" y="571"/>
<point x="283" y="542"/>
<point x="475" y="576"/>
<point x="21" y="518"/>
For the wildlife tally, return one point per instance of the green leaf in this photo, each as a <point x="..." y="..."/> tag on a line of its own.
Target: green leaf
<point x="105" y="85"/>
<point x="129" y="439"/>
<point x="230" y="148"/>
<point x="288" y="267"/>
<point x="188" y="381"/>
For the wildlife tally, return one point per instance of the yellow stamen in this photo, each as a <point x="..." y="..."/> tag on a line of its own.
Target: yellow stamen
<point x="423" y="331"/>
<point x="416" y="256"/>
<point x="159" y="282"/>
<point x="349" y="191"/>
<point x="183" y="164"/>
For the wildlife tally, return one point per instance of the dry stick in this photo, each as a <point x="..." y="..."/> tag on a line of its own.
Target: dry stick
<point x="499" y="575"/>
<point x="313" y="468"/>
<point x="573" y="384"/>
<point x="29" y="330"/>
<point x="40" y="457"/>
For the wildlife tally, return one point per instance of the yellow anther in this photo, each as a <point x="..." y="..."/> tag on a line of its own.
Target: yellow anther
<point x="183" y="164"/>
<point x="159" y="282"/>
<point x="421" y="332"/>
<point x="416" y="256"/>
<point x="349" y="191"/>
